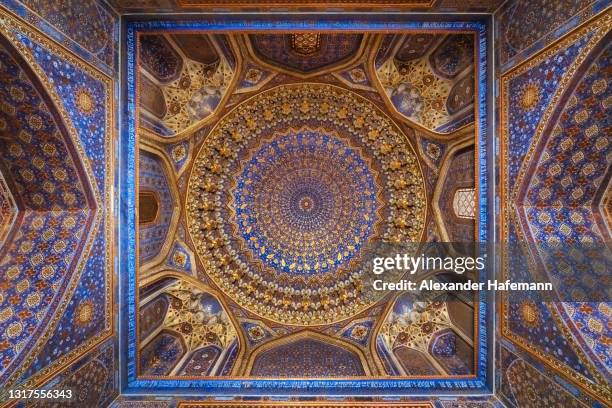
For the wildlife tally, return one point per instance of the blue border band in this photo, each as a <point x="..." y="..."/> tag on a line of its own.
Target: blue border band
<point x="228" y="387"/>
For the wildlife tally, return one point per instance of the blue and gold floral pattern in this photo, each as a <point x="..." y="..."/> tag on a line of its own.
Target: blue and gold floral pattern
<point x="555" y="156"/>
<point x="304" y="226"/>
<point x="89" y="23"/>
<point x="41" y="258"/>
<point x="76" y="98"/>
<point x="154" y="177"/>
<point x="373" y="191"/>
<point x="429" y="80"/>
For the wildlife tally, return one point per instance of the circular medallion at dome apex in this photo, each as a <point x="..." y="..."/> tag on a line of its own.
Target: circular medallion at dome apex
<point x="288" y="192"/>
<point x="320" y="207"/>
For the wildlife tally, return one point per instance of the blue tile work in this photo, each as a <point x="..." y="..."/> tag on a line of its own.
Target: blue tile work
<point x="35" y="287"/>
<point x="41" y="153"/>
<point x="544" y="334"/>
<point x="524" y="382"/>
<point x="254" y="77"/>
<point x="159" y="58"/>
<point x="179" y="154"/>
<point x="577" y="153"/>
<point x="42" y="258"/>
<point x="161" y="354"/>
<point x="152" y="315"/>
<point x="359" y="332"/>
<point x="84" y="98"/>
<point x="87" y="27"/>
<point x="305" y="191"/>
<point x="556" y="151"/>
<point x="303" y="387"/>
<point x="356" y="76"/>
<point x="85" y="317"/>
<point x="453" y="56"/>
<point x="444" y="349"/>
<point x="524" y="111"/>
<point x="180" y="257"/>
<point x="91" y="379"/>
<point x="433" y="150"/>
<point x="295" y="359"/>
<point x="568" y="225"/>
<point x="591" y="319"/>
<point x="569" y="171"/>
<point x="153" y="177"/>
<point x="201" y="362"/>
<point x="256" y="333"/>
<point x="526" y="26"/>
<point x="456" y="124"/>
<point x="277" y="49"/>
<point x="84" y="101"/>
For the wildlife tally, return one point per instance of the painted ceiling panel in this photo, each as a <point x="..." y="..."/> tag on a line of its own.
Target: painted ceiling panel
<point x="185" y="80"/>
<point x="553" y="136"/>
<point x="58" y="206"/>
<point x="285" y="188"/>
<point x="197" y="47"/>
<point x="307" y="358"/>
<point x="270" y="163"/>
<point x="428" y="79"/>
<point x="160" y="58"/>
<point x="305" y="52"/>
<point x="155" y="180"/>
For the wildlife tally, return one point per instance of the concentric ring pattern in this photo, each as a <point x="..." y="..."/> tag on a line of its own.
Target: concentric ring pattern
<point x="289" y="191"/>
<point x="319" y="205"/>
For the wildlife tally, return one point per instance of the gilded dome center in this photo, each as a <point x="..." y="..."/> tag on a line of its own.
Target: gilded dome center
<point x="290" y="191"/>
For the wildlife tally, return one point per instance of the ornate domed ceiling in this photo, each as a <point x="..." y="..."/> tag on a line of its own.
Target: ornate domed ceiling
<point x="271" y="168"/>
<point x="216" y="239"/>
<point x="288" y="192"/>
